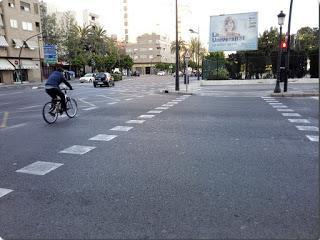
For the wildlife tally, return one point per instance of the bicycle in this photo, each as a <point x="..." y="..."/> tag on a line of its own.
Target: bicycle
<point x="51" y="110"/>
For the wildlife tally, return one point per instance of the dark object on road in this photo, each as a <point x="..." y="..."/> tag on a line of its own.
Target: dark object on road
<point x="103" y="79"/>
<point x="136" y="74"/>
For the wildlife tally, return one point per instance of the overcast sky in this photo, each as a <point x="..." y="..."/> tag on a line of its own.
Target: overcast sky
<point x="305" y="12"/>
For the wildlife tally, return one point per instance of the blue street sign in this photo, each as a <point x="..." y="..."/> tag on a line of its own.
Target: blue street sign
<point x="50" y="54"/>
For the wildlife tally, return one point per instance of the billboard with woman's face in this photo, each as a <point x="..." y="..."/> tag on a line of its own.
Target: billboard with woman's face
<point x="234" y="32"/>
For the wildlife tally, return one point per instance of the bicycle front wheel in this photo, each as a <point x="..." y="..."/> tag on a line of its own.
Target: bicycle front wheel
<point x="48" y="115"/>
<point x="72" y="108"/>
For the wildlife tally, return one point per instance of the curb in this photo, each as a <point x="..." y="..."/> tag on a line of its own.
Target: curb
<point x="165" y="91"/>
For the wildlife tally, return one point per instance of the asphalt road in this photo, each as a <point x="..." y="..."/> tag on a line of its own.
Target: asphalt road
<point x="226" y="162"/>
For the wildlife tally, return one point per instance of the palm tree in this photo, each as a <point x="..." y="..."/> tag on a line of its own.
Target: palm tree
<point x="182" y="47"/>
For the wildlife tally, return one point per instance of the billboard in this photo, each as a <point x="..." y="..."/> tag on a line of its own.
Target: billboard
<point x="234" y="32"/>
<point x="50" y="54"/>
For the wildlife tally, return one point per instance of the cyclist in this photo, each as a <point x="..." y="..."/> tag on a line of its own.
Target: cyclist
<point x="52" y="87"/>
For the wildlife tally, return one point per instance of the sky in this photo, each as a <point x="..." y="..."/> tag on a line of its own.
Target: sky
<point x="146" y="13"/>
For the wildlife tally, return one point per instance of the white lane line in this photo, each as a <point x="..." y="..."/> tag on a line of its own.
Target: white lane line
<point x="299" y="121"/>
<point x="77" y="149"/>
<point x="279" y="106"/>
<point x="291" y="114"/>
<point x="313" y="138"/>
<point x="112" y="103"/>
<point x="316" y="98"/>
<point x="90" y="104"/>
<point x="177" y="100"/>
<point x="162" y="108"/>
<point x="273" y="103"/>
<point x="267" y="97"/>
<point x="172" y="103"/>
<point x="146" y="116"/>
<point x="4" y="191"/>
<point x="167" y="105"/>
<point x="121" y="128"/>
<point x="308" y="128"/>
<point x="103" y="137"/>
<point x="90" y="108"/>
<point x="115" y="99"/>
<point x="128" y="99"/>
<point x="136" y="121"/>
<point x="39" y="168"/>
<point x="285" y="110"/>
<point x="15" y="126"/>
<point x="30" y="107"/>
<point x="140" y="96"/>
<point x="154" y="112"/>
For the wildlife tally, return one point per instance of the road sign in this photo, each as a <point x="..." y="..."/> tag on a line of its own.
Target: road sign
<point x="50" y="54"/>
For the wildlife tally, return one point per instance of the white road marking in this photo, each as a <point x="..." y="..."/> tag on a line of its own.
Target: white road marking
<point x="39" y="168"/>
<point x="308" y="128"/>
<point x="313" y="138"/>
<point x="103" y="137"/>
<point x="273" y="103"/>
<point x="88" y="109"/>
<point x="285" y="110"/>
<point x="140" y="96"/>
<point x="128" y="99"/>
<point x="146" y="116"/>
<point x="267" y="97"/>
<point x="291" y="114"/>
<point x="6" y="94"/>
<point x="77" y="149"/>
<point x="112" y="103"/>
<point x="299" y="121"/>
<point x="136" y="121"/>
<point x="154" y="111"/>
<point x="168" y="105"/>
<point x="317" y="98"/>
<point x="4" y="191"/>
<point x="172" y="103"/>
<point x="177" y="100"/>
<point x="162" y="108"/>
<point x="279" y="106"/>
<point x="15" y="126"/>
<point x="121" y="128"/>
<point x="115" y="99"/>
<point x="30" y="107"/>
<point x="90" y="104"/>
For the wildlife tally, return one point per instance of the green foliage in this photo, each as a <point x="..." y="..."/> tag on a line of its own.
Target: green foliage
<point x="221" y="74"/>
<point x="117" y="76"/>
<point x="163" y="66"/>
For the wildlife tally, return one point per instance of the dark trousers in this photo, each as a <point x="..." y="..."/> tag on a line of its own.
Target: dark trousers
<point x="54" y="92"/>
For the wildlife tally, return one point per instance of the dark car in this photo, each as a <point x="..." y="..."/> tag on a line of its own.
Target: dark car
<point x="136" y="74"/>
<point x="103" y="79"/>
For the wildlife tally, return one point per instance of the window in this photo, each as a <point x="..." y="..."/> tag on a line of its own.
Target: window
<point x="13" y="23"/>
<point x="36" y="8"/>
<point x="25" y="6"/>
<point x="150" y="49"/>
<point x="27" y="26"/>
<point x="38" y="26"/>
<point x="93" y="18"/>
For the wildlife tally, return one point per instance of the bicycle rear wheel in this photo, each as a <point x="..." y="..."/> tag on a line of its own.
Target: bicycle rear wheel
<point x="72" y="108"/>
<point x="49" y="116"/>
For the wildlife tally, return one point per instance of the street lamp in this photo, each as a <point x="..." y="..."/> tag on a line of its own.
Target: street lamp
<point x="198" y="48"/>
<point x="281" y="17"/>
<point x="19" y="58"/>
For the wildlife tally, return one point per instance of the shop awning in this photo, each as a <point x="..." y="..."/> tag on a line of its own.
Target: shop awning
<point x="17" y="42"/>
<point x="32" y="44"/>
<point x="5" y="65"/>
<point x="3" y="42"/>
<point x="28" y="64"/>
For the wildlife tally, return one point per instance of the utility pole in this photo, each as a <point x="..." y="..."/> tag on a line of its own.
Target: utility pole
<point x="177" y="49"/>
<point x="285" y="87"/>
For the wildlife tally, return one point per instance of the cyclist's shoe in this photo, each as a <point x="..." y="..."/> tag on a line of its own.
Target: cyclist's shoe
<point x="61" y="111"/>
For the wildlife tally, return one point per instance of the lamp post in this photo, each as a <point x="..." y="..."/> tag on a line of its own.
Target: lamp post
<point x="177" y="50"/>
<point x="19" y="58"/>
<point x="198" y="50"/>
<point x="281" y="17"/>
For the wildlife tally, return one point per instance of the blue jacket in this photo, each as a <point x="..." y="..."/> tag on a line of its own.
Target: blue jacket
<point x="56" y="78"/>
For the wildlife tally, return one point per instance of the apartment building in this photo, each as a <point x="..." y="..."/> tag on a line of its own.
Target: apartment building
<point x="149" y="50"/>
<point x="20" y="21"/>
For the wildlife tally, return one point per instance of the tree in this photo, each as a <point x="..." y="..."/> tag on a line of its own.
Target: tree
<point x="307" y="39"/>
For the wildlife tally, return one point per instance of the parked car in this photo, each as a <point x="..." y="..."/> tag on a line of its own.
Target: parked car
<point x="103" y="79"/>
<point x="136" y="73"/>
<point x="89" y="77"/>
<point x="161" y="73"/>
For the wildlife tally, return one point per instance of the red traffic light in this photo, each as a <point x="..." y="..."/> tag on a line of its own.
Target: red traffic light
<point x="284" y="45"/>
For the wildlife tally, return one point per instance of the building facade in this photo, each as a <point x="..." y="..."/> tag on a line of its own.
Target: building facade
<point x="149" y="50"/>
<point x="20" y="42"/>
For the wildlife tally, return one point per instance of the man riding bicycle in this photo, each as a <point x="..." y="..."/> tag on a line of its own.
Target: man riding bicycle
<point x="52" y="87"/>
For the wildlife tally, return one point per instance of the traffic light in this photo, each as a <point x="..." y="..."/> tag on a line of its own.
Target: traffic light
<point x="284" y="46"/>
